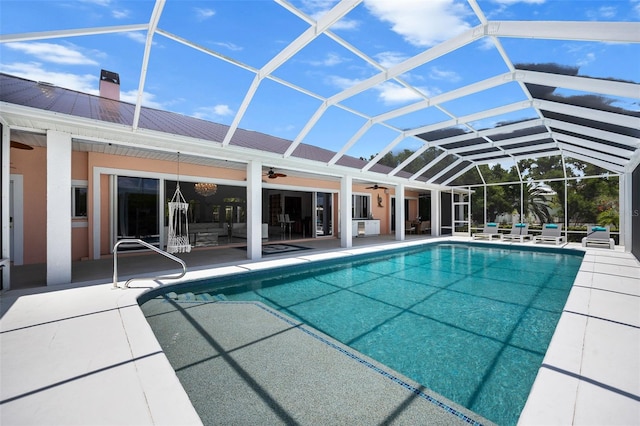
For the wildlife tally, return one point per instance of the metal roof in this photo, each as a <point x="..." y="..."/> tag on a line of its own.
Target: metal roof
<point x="560" y="111"/>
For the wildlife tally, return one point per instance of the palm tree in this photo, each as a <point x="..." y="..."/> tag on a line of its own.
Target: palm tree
<point x="609" y="217"/>
<point x="537" y="201"/>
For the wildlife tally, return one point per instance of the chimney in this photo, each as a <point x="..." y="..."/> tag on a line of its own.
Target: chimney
<point x="109" y="85"/>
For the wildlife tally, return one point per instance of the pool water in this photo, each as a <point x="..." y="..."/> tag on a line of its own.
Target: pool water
<point x="471" y="322"/>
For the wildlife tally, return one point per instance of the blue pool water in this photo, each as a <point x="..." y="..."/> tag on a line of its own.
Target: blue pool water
<point x="471" y="322"/>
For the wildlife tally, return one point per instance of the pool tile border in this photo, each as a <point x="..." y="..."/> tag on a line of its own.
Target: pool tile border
<point x="363" y="361"/>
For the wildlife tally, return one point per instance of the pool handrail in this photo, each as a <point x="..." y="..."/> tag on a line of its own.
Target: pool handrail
<point x="149" y="246"/>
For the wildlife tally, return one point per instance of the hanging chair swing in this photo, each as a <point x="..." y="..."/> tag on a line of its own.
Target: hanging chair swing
<point x="178" y="238"/>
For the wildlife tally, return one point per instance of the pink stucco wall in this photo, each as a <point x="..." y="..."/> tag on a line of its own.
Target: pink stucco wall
<point x="32" y="165"/>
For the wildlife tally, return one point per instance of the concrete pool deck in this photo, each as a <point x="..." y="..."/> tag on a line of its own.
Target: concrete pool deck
<point x="85" y="354"/>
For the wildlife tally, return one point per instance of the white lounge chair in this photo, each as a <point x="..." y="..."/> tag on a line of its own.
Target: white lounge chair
<point x="551" y="233"/>
<point x="598" y="236"/>
<point x="409" y="227"/>
<point x="519" y="232"/>
<point x="489" y="231"/>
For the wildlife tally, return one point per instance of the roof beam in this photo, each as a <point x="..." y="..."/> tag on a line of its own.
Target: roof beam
<point x="306" y="129"/>
<point x="596" y="133"/>
<point x="153" y="24"/>
<point x="471" y="117"/>
<point x="516" y="158"/>
<point x="205" y="50"/>
<point x="429" y="165"/>
<point x="626" y="32"/>
<point x="521" y="139"/>
<point x="583" y="84"/>
<point x="44" y="35"/>
<point x="607" y="166"/>
<point x="397" y="70"/>
<point x="384" y="152"/>
<point x="590" y="153"/>
<point x="407" y="161"/>
<point x="460" y="173"/>
<point x="445" y="170"/>
<point x="411" y="63"/>
<point x="328" y="19"/>
<point x="509" y="128"/>
<point x="315" y="30"/>
<point x="512" y="152"/>
<point x="589" y="113"/>
<point x="352" y="141"/>
<point x="561" y="137"/>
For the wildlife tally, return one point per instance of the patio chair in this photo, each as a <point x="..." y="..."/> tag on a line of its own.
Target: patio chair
<point x="551" y="233"/>
<point x="519" y="232"/>
<point x="409" y="227"/>
<point x="598" y="236"/>
<point x="489" y="231"/>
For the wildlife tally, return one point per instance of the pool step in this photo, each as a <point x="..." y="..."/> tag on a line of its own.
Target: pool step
<point x="190" y="297"/>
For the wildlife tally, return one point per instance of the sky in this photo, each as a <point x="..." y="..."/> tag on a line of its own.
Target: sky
<point x="245" y="35"/>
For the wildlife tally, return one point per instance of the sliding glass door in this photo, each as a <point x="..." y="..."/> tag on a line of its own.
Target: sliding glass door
<point x="137" y="209"/>
<point x="324" y="213"/>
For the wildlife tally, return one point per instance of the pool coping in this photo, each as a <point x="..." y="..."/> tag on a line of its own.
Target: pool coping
<point x="566" y="390"/>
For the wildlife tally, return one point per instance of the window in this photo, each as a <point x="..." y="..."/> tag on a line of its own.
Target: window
<point x="360" y="207"/>
<point x="79" y="199"/>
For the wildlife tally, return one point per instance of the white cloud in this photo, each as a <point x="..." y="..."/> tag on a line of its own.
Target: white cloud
<point x="510" y="2"/>
<point x="315" y="5"/>
<point x="345" y="24"/>
<point x="51" y="52"/>
<point x="329" y="60"/>
<point x="204" y="14"/>
<point x="438" y="74"/>
<point x="422" y="23"/>
<point x="317" y="8"/>
<point x="121" y="14"/>
<point x="392" y="93"/>
<point x="103" y="3"/>
<point x="137" y="36"/>
<point x="86" y="83"/>
<point x="231" y="46"/>
<point x="608" y="11"/>
<point x="131" y="96"/>
<point x="341" y="82"/>
<point x="389" y="59"/>
<point x="586" y="59"/>
<point x="486" y="43"/>
<point x="213" y="112"/>
<point x="389" y="93"/>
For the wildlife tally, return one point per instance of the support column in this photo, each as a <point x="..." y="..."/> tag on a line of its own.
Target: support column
<point x="436" y="200"/>
<point x="400" y="229"/>
<point x="254" y="210"/>
<point x="5" y="231"/>
<point x="58" y="207"/>
<point x="346" y="204"/>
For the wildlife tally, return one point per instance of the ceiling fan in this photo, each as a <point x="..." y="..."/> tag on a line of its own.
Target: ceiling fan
<point x="20" y="145"/>
<point x="376" y="186"/>
<point x="271" y="174"/>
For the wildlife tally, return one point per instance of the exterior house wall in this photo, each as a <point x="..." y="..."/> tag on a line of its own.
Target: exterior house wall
<point x="32" y="165"/>
<point x="80" y="230"/>
<point x="635" y="213"/>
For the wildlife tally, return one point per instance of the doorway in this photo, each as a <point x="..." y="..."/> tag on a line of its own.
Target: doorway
<point x="324" y="213"/>
<point x="137" y="209"/>
<point x="16" y="217"/>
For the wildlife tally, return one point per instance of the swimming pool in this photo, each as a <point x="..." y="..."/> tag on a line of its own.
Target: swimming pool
<point x="469" y="321"/>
